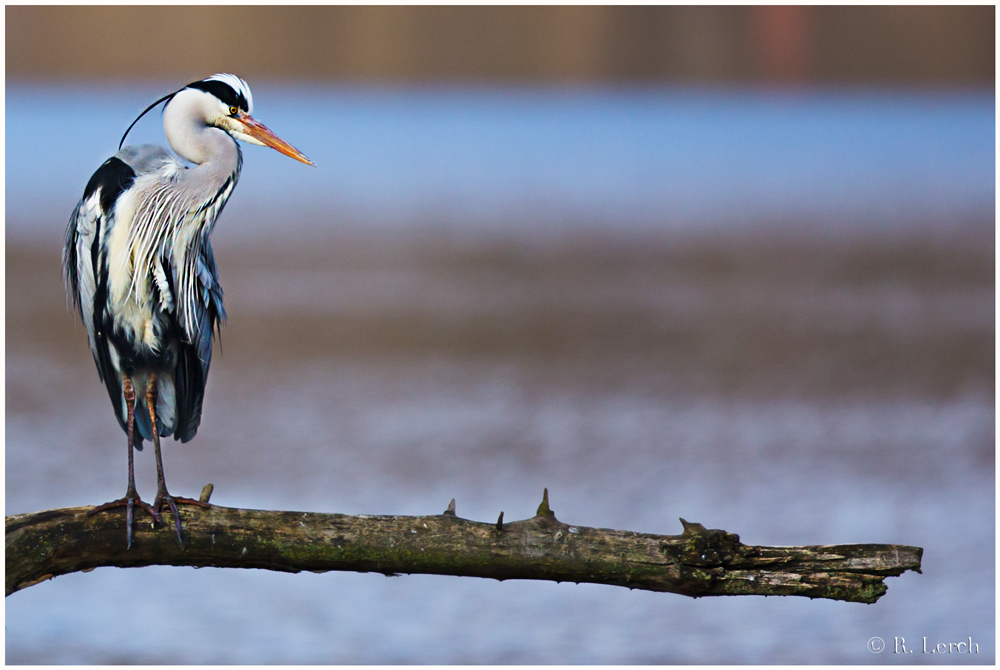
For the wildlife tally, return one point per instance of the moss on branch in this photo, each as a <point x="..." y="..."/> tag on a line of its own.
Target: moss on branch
<point x="698" y="562"/>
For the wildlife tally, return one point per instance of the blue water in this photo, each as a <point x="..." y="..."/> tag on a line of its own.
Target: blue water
<point x="483" y="157"/>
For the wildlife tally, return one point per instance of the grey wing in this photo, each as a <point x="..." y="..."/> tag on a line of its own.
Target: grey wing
<point x="144" y="158"/>
<point x="195" y="354"/>
<point x="78" y="270"/>
<point x="85" y="269"/>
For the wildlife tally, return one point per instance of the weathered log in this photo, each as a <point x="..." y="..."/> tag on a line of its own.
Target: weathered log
<point x="699" y="562"/>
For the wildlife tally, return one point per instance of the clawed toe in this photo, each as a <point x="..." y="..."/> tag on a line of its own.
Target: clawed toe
<point x="132" y="500"/>
<point x="164" y="498"/>
<point x="129" y="502"/>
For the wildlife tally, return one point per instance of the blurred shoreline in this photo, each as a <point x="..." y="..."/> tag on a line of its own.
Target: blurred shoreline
<point x="763" y="315"/>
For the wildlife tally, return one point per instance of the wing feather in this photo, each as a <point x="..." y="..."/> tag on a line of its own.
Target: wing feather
<point x="85" y="269"/>
<point x="195" y="355"/>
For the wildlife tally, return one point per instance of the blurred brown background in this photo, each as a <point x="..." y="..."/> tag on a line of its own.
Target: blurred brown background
<point x="788" y="44"/>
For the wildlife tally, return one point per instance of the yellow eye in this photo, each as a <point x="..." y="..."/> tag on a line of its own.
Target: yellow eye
<point x="233" y="110"/>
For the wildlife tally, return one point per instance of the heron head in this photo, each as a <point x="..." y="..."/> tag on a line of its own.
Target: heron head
<point x="234" y="109"/>
<point x="234" y="103"/>
<point x="223" y="101"/>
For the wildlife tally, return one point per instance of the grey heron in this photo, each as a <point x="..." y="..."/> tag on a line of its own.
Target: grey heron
<point x="140" y="269"/>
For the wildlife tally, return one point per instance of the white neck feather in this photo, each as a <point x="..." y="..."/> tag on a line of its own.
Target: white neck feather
<point x="189" y="122"/>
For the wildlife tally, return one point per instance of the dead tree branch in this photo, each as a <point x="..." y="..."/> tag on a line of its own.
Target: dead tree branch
<point x="699" y="562"/>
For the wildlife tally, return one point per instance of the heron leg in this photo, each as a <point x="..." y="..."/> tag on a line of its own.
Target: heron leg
<point x="131" y="498"/>
<point x="162" y="495"/>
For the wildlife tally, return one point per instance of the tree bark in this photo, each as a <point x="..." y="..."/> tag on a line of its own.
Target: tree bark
<point x="699" y="562"/>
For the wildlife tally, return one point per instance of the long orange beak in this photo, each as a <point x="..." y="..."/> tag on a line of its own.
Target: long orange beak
<point x="263" y="134"/>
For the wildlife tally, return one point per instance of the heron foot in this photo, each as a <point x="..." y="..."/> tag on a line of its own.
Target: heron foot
<point x="129" y="502"/>
<point x="164" y="498"/>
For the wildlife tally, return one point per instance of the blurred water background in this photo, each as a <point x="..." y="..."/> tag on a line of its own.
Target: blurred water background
<point x="769" y="311"/>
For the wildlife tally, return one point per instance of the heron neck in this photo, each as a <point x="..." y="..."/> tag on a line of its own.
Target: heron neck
<point x="201" y="144"/>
